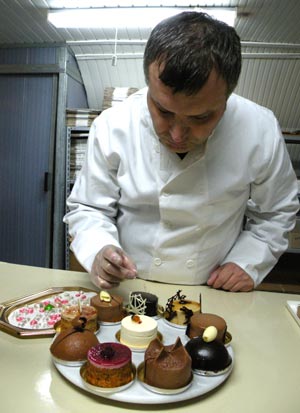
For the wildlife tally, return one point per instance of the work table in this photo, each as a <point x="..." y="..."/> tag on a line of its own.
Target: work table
<point x="265" y="342"/>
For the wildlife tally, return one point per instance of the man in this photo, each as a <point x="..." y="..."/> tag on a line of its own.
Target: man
<point x="185" y="182"/>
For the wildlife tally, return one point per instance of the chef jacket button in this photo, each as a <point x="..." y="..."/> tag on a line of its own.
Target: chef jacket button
<point x="190" y="263"/>
<point x="157" y="261"/>
<point x="157" y="149"/>
<point x="166" y="194"/>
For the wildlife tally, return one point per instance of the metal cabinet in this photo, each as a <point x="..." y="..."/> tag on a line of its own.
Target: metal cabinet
<point x="75" y="151"/>
<point x="36" y="85"/>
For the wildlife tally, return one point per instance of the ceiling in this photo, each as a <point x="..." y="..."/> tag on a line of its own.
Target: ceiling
<point x="269" y="30"/>
<point x="25" y="21"/>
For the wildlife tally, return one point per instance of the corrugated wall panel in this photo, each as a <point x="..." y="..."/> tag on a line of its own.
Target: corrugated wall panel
<point x="27" y="55"/>
<point x="127" y="73"/>
<point x="294" y="151"/>
<point x="76" y="93"/>
<point x="273" y="83"/>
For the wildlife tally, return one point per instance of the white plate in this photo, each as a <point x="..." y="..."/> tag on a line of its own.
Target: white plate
<point x="137" y="393"/>
<point x="110" y="323"/>
<point x="212" y="373"/>
<point x="180" y="326"/>
<point x="292" y="307"/>
<point x="76" y="363"/>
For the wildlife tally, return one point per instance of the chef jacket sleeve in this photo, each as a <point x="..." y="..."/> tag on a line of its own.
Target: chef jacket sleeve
<point x="93" y="201"/>
<point x="270" y="213"/>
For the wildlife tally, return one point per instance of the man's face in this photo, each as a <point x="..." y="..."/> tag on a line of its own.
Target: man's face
<point x="184" y="122"/>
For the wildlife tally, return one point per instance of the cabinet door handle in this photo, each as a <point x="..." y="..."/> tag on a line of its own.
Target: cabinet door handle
<point x="47" y="181"/>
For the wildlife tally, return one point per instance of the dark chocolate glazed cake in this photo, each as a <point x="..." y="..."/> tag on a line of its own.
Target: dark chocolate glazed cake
<point x="206" y="356"/>
<point x="143" y="303"/>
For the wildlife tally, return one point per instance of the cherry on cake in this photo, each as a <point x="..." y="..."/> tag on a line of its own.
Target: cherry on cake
<point x="137" y="331"/>
<point x="108" y="365"/>
<point x="167" y="367"/>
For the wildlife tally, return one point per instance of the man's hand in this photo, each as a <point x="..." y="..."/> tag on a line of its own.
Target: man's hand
<point x="111" y="266"/>
<point x="231" y="277"/>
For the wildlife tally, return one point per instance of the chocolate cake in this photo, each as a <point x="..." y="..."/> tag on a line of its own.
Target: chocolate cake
<point x="143" y="303"/>
<point x="109" y="307"/>
<point x="179" y="310"/>
<point x="209" y="356"/>
<point x="199" y="322"/>
<point x="73" y="344"/>
<point x="108" y="365"/>
<point x="70" y="313"/>
<point x="167" y="367"/>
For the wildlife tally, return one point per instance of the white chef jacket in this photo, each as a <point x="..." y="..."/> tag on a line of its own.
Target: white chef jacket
<point x="177" y="218"/>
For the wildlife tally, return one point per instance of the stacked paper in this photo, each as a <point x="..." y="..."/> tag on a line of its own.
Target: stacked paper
<point x="114" y="95"/>
<point x="81" y="117"/>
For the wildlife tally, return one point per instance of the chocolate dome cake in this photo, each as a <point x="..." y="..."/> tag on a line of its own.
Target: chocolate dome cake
<point x="73" y="344"/>
<point x="208" y="357"/>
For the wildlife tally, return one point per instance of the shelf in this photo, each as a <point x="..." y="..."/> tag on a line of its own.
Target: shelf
<point x="77" y="136"/>
<point x="293" y="250"/>
<point x="291" y="138"/>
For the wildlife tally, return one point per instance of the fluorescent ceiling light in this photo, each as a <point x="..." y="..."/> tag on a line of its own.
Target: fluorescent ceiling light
<point x="119" y="17"/>
<point x="84" y="4"/>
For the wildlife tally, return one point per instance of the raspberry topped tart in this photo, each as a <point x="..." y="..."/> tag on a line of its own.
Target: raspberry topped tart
<point x="109" y="365"/>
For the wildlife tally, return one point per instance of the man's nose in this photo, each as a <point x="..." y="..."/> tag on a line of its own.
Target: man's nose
<point x="178" y="131"/>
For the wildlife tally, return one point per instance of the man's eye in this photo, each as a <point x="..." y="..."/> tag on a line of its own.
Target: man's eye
<point x="164" y="112"/>
<point x="201" y="118"/>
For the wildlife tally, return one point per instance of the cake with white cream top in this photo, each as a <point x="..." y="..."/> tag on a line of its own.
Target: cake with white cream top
<point x="138" y="331"/>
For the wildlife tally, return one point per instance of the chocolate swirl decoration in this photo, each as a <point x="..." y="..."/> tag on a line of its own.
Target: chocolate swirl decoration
<point x="178" y="296"/>
<point x="169" y="306"/>
<point x="182" y="300"/>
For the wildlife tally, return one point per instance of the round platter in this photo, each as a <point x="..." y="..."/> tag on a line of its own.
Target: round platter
<point x="137" y="393"/>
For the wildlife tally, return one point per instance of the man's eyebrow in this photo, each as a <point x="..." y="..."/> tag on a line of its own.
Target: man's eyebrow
<point x="200" y="115"/>
<point x="160" y="106"/>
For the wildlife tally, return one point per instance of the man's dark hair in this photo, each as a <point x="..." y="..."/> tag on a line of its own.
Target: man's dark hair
<point x="188" y="46"/>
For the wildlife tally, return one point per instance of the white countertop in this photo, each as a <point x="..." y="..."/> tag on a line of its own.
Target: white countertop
<point x="266" y="345"/>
